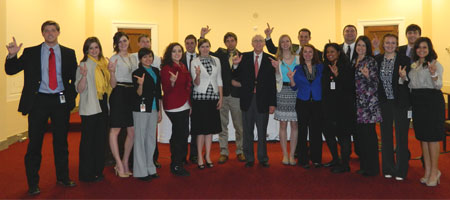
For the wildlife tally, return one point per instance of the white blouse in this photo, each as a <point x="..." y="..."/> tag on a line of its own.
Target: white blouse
<point x="420" y="77"/>
<point x="125" y="67"/>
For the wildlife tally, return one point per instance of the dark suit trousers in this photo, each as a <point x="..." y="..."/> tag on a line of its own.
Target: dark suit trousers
<point x="369" y="161"/>
<point x="249" y="119"/>
<point x="178" y="140"/>
<point x="46" y="106"/>
<point x="94" y="131"/>
<point x="309" y="117"/>
<point x="394" y="114"/>
<point x="331" y="131"/>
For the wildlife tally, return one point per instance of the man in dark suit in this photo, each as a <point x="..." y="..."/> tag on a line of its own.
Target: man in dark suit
<point x="304" y="36"/>
<point x="412" y="32"/>
<point x="348" y="46"/>
<point x="190" y="42"/>
<point x="230" y="101"/>
<point x="256" y="79"/>
<point x="48" y="91"/>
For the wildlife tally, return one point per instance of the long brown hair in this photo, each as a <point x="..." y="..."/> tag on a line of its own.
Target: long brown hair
<point x="279" y="54"/>
<point x="315" y="60"/>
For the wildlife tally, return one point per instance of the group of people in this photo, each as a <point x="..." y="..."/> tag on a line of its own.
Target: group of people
<point x="340" y="92"/>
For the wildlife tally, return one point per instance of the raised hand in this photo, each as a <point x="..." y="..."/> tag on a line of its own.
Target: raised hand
<point x="83" y="70"/>
<point x="204" y="31"/>
<point x="173" y="77"/>
<point x="291" y="74"/>
<point x="237" y="59"/>
<point x="334" y="69"/>
<point x="140" y="80"/>
<point x="13" y="48"/>
<point x="268" y="31"/>
<point x="275" y="63"/>
<point x="365" y="71"/>
<point x="112" y="65"/>
<point x="375" y="41"/>
<point x="197" y="70"/>
<point x="432" y="67"/>
<point x="402" y="72"/>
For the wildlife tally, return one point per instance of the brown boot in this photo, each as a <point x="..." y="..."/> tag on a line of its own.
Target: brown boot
<point x="223" y="159"/>
<point x="241" y="157"/>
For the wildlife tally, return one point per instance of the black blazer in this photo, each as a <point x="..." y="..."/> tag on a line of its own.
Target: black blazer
<point x="266" y="92"/>
<point x="402" y="50"/>
<point x="401" y="92"/>
<point x="338" y="105"/>
<point x="273" y="49"/>
<point x="184" y="60"/>
<point x="354" y="55"/>
<point x="150" y="90"/>
<point x="30" y="63"/>
<point x="227" y="72"/>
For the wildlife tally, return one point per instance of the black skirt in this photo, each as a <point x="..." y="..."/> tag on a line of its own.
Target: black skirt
<point x="205" y="118"/>
<point x="121" y="106"/>
<point x="428" y="108"/>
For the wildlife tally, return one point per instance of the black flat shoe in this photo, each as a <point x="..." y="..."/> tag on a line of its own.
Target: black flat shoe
<point x="67" y="183"/>
<point x="331" y="163"/>
<point x="179" y="171"/>
<point x="156" y="175"/>
<point x="249" y="164"/>
<point x="265" y="164"/>
<point x="317" y="165"/>
<point x="201" y="166"/>
<point x="34" y="191"/>
<point x="340" y="169"/>
<point x="209" y="165"/>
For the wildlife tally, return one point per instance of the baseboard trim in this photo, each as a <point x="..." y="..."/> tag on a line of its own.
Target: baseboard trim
<point x="13" y="139"/>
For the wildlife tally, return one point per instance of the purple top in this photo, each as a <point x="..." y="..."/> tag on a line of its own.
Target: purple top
<point x="367" y="109"/>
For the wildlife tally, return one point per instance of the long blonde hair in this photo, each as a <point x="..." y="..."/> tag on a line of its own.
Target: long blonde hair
<point x="279" y="54"/>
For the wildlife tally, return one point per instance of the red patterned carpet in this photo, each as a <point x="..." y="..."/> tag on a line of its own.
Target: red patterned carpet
<point x="227" y="181"/>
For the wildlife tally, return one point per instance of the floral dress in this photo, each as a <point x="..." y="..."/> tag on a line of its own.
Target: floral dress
<point x="367" y="105"/>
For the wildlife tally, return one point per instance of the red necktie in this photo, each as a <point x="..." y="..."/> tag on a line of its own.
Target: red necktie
<point x="256" y="72"/>
<point x="52" y="83"/>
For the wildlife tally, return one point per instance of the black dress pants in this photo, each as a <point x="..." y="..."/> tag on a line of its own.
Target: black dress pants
<point x="250" y="118"/>
<point x="178" y="140"/>
<point x="369" y="158"/>
<point x="309" y="117"/>
<point x="94" y="131"/>
<point x="394" y="114"/>
<point x="333" y="130"/>
<point x="45" y="106"/>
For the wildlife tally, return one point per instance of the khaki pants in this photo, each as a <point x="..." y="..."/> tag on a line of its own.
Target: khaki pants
<point x="230" y="104"/>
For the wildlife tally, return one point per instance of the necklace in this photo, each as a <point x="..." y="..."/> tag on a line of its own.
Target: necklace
<point x="128" y="64"/>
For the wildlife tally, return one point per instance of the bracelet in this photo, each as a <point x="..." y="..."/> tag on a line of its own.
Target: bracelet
<point x="434" y="76"/>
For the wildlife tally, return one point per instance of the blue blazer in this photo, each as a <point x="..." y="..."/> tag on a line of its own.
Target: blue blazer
<point x="306" y="88"/>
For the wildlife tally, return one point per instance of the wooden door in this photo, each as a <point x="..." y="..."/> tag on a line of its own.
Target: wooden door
<point x="380" y="31"/>
<point x="134" y="34"/>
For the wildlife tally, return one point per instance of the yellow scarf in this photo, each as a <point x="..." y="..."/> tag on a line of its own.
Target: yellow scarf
<point x="102" y="77"/>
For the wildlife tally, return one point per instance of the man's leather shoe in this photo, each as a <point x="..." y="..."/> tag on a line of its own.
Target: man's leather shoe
<point x="249" y="164"/>
<point x="155" y="175"/>
<point x="223" y="159"/>
<point x="34" y="190"/>
<point x="317" y="165"/>
<point x="157" y="164"/>
<point x="179" y="171"/>
<point x="265" y="164"/>
<point x="331" y="163"/>
<point x="241" y="157"/>
<point x="305" y="166"/>
<point x="67" y="183"/>
<point x="340" y="169"/>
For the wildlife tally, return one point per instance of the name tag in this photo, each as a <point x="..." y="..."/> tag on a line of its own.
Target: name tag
<point x="62" y="98"/>
<point x="142" y="107"/>
<point x="409" y="115"/>
<point x="332" y="85"/>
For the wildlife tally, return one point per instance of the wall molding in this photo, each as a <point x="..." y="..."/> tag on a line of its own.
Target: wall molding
<point x="13" y="139"/>
<point x="138" y="25"/>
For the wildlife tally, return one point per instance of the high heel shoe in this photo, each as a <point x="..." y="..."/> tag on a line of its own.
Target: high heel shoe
<point x="285" y="160"/>
<point x="435" y="183"/>
<point x="424" y="180"/>
<point x="201" y="166"/>
<point x="292" y="161"/>
<point x="124" y="175"/>
<point x="209" y="165"/>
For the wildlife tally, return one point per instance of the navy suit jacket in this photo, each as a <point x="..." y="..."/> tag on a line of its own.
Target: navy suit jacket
<point x="30" y="63"/>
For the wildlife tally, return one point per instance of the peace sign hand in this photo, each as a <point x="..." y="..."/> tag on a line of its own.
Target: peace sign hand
<point x="173" y="77"/>
<point x="275" y="63"/>
<point x="268" y="31"/>
<point x="334" y="69"/>
<point x="365" y="71"/>
<point x="204" y="31"/>
<point x="112" y="65"/>
<point x="83" y="70"/>
<point x="197" y="70"/>
<point x="402" y="72"/>
<point x="13" y="48"/>
<point x="291" y="74"/>
<point x="140" y="80"/>
<point x="237" y="59"/>
<point x="432" y="67"/>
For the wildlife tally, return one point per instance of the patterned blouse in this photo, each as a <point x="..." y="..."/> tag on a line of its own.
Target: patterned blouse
<point x="208" y="63"/>
<point x="387" y="71"/>
<point x="367" y="108"/>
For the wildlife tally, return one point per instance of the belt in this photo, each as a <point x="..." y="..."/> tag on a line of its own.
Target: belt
<point x="50" y="94"/>
<point x="125" y="84"/>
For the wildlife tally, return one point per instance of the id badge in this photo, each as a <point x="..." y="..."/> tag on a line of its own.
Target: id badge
<point x="62" y="98"/>
<point x="409" y="115"/>
<point x="142" y="107"/>
<point x="332" y="85"/>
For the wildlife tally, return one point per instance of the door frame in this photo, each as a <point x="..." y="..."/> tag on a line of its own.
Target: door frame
<point x="138" y="25"/>
<point x="400" y="22"/>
